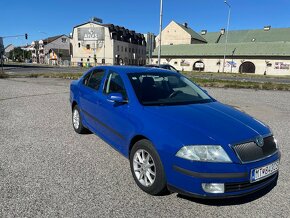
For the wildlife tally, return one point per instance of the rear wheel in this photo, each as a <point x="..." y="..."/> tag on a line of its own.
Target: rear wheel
<point x="147" y="169"/>
<point x="77" y="121"/>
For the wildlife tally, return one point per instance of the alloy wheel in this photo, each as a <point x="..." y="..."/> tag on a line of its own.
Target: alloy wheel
<point x="144" y="167"/>
<point x="76" y="119"/>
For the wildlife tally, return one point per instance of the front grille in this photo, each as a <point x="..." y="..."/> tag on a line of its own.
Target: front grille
<point x="250" y="151"/>
<point x="242" y="186"/>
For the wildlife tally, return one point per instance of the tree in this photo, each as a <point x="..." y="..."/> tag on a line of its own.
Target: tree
<point x="18" y="54"/>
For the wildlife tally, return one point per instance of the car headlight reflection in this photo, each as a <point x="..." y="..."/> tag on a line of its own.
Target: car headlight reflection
<point x="206" y="153"/>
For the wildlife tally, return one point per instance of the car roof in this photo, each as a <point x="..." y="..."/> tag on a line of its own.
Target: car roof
<point x="134" y="69"/>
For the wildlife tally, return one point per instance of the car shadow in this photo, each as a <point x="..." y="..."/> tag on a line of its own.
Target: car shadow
<point x="231" y="201"/>
<point x="87" y="132"/>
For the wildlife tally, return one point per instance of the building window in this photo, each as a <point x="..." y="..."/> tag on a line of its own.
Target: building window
<point x="81" y="59"/>
<point x="63" y="40"/>
<point x="103" y="61"/>
<point x="129" y="50"/>
<point x="133" y="50"/>
<point x="88" y="60"/>
<point x="175" y="62"/>
<point x="79" y="44"/>
<point x="125" y="49"/>
<point x="122" y="48"/>
<point x="118" y="48"/>
<point x="88" y="46"/>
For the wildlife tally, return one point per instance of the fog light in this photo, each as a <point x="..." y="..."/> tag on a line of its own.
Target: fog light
<point x="213" y="187"/>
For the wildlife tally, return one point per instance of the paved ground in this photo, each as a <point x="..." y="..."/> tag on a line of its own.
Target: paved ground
<point x="47" y="170"/>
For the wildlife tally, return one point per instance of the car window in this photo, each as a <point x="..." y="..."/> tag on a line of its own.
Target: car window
<point x="115" y="84"/>
<point x="86" y="79"/>
<point x="95" y="79"/>
<point x="166" y="89"/>
<point x="173" y="69"/>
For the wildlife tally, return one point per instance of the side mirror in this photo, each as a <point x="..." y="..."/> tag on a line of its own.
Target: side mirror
<point x="116" y="98"/>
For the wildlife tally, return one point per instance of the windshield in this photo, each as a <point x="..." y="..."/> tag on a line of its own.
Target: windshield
<point x="166" y="89"/>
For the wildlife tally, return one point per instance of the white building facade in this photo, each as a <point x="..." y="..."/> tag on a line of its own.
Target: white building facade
<point x="94" y="43"/>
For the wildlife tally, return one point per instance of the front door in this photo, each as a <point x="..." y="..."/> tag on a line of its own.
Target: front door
<point x="118" y="124"/>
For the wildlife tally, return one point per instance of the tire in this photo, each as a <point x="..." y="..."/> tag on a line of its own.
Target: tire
<point x="151" y="164"/>
<point x="77" y="121"/>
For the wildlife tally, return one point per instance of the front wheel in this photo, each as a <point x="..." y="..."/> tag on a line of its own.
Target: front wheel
<point x="147" y="169"/>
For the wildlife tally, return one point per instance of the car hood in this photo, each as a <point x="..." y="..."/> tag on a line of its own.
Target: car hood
<point x="208" y="123"/>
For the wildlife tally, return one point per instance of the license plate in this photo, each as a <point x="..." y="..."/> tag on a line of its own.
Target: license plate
<point x="265" y="171"/>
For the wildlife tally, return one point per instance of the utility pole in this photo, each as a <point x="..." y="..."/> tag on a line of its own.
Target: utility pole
<point x="160" y="31"/>
<point x="227" y="33"/>
<point x="1" y="55"/>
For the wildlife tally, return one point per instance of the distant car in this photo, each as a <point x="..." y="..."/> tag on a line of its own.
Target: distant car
<point x="163" y="66"/>
<point x="175" y="135"/>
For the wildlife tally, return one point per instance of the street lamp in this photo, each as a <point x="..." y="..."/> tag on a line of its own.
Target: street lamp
<point x="160" y="31"/>
<point x="228" y="24"/>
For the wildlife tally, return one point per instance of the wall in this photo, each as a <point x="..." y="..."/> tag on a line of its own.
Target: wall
<point x="174" y="34"/>
<point x="211" y="64"/>
<point x="130" y="54"/>
<point x="57" y="44"/>
<point x="113" y="51"/>
<point x="82" y="54"/>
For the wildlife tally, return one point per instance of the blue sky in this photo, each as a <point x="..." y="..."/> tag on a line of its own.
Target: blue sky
<point x="47" y="18"/>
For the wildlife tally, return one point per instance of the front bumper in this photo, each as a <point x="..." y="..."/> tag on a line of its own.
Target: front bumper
<point x="186" y="177"/>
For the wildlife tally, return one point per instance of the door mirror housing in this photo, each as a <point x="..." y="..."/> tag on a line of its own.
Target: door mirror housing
<point x="116" y="98"/>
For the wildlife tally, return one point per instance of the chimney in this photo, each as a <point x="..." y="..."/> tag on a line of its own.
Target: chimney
<point x="185" y="25"/>
<point x="203" y="32"/>
<point x="223" y="31"/>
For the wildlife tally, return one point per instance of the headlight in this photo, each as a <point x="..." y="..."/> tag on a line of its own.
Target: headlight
<point x="206" y="153"/>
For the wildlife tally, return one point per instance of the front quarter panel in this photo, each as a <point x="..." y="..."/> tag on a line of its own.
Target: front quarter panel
<point x="73" y="91"/>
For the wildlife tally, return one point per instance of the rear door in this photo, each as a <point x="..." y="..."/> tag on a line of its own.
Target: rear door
<point x="90" y="92"/>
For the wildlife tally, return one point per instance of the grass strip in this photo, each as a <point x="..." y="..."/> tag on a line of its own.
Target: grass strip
<point x="204" y="82"/>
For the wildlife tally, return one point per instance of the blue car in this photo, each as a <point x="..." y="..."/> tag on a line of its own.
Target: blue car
<point x="175" y="135"/>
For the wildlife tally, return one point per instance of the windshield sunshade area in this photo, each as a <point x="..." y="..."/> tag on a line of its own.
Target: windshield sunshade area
<point x="166" y="89"/>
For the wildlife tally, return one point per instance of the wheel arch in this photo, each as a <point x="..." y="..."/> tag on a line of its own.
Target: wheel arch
<point x="74" y="103"/>
<point x="135" y="139"/>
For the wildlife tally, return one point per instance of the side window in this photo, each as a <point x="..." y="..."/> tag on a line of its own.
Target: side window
<point x="86" y="79"/>
<point x="114" y="84"/>
<point x="95" y="79"/>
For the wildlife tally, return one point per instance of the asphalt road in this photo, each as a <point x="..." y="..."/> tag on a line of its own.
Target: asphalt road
<point x="47" y="170"/>
<point x="24" y="69"/>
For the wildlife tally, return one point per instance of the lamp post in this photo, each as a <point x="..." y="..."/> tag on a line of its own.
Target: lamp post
<point x="226" y="41"/>
<point x="160" y="31"/>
